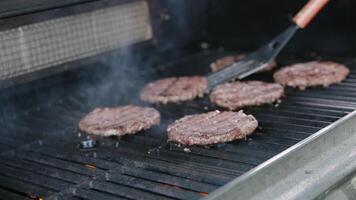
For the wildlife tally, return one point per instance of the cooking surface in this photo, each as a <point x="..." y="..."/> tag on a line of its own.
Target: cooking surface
<point x="39" y="145"/>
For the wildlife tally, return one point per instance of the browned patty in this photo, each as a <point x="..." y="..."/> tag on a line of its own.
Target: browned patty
<point x="314" y="73"/>
<point x="174" y="89"/>
<point x="212" y="127"/>
<point x="228" y="60"/>
<point x="249" y="93"/>
<point x="119" y="121"/>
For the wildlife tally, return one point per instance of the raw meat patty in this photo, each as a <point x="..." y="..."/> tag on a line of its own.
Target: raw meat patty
<point x="314" y="73"/>
<point x="249" y="93"/>
<point x="119" y="121"/>
<point x="212" y="127"/>
<point x="228" y="60"/>
<point x="174" y="89"/>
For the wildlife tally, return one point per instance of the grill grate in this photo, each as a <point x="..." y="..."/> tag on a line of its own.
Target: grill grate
<point x="40" y="155"/>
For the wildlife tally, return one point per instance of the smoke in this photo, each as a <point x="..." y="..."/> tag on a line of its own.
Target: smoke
<point x="115" y="82"/>
<point x="122" y="74"/>
<point x="114" y="79"/>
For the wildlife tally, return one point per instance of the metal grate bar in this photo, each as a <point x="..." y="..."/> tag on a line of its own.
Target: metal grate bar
<point x="70" y="177"/>
<point x="196" y="160"/>
<point x="123" y="191"/>
<point x="110" y="165"/>
<point x="94" y="195"/>
<point x="244" y="159"/>
<point x="24" y="188"/>
<point x="288" y="134"/>
<point x="75" y="158"/>
<point x="314" y="109"/>
<point x="10" y="196"/>
<point x="73" y="167"/>
<point x="167" y="179"/>
<point x="309" y="114"/>
<point x="292" y="119"/>
<point x="154" y="187"/>
<point x="33" y="178"/>
<point x="191" y="163"/>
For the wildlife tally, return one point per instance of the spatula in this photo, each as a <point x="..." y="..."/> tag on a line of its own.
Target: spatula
<point x="259" y="59"/>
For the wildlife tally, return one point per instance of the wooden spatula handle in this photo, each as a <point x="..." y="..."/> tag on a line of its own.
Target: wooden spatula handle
<point x="308" y="12"/>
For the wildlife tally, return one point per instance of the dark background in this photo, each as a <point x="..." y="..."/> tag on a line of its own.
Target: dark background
<point x="246" y="24"/>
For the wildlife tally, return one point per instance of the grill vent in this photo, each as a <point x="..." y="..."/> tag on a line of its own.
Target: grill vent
<point x="45" y="44"/>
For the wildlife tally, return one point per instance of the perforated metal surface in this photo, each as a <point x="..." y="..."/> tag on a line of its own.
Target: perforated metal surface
<point x="46" y="44"/>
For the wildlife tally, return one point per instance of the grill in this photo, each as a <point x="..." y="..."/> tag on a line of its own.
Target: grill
<point x="40" y="155"/>
<point x="60" y="60"/>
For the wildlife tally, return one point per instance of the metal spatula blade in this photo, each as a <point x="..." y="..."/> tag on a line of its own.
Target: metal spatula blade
<point x="264" y="55"/>
<point x="254" y="61"/>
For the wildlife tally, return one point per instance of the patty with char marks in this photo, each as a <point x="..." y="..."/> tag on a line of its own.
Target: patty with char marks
<point x="212" y="127"/>
<point x="228" y="60"/>
<point x="119" y="120"/>
<point x="313" y="73"/>
<point x="249" y="93"/>
<point x="174" y="89"/>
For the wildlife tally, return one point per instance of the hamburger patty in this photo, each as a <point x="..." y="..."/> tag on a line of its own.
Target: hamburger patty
<point x="212" y="127"/>
<point x="174" y="89"/>
<point x="314" y="73"/>
<point x="249" y="93"/>
<point x="119" y="121"/>
<point x="228" y="60"/>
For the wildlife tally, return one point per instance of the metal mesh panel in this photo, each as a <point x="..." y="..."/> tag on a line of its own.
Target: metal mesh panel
<point x="45" y="44"/>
